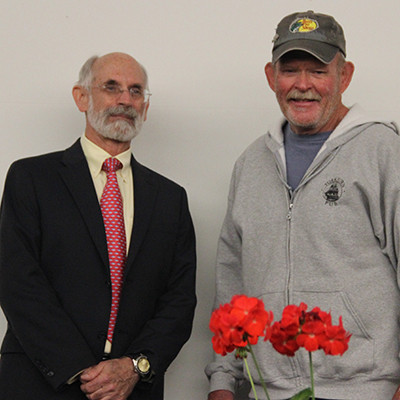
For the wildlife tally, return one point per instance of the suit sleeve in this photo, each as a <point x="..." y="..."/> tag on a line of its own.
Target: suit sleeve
<point x="35" y="315"/>
<point x="170" y="326"/>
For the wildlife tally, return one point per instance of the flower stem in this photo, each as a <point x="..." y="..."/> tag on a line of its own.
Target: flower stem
<point x="251" y="379"/>
<point x="312" y="375"/>
<point x="259" y="371"/>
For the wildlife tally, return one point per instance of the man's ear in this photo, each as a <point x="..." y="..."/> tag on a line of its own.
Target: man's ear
<point x="81" y="97"/>
<point x="270" y="74"/>
<point x="346" y="75"/>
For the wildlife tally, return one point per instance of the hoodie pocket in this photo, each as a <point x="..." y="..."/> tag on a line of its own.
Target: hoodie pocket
<point x="360" y="356"/>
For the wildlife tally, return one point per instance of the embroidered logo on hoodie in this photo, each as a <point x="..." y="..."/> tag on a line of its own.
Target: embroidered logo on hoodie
<point x="333" y="191"/>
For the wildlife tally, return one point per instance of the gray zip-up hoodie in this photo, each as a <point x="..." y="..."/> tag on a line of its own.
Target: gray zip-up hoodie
<point x="332" y="243"/>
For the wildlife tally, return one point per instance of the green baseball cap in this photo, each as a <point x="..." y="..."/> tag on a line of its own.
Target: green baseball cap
<point x="317" y="34"/>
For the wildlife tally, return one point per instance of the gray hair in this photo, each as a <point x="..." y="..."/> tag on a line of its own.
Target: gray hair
<point x="86" y="74"/>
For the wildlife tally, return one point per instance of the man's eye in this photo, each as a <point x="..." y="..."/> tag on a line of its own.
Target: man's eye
<point x="135" y="91"/>
<point x="111" y="89"/>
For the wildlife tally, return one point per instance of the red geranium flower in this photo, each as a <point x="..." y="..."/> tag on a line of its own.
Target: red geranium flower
<point x="253" y="317"/>
<point x="238" y="323"/>
<point x="312" y="330"/>
<point x="336" y="340"/>
<point x="220" y="326"/>
<point x="291" y="318"/>
<point x="283" y="342"/>
<point x="245" y="308"/>
<point x="309" y="336"/>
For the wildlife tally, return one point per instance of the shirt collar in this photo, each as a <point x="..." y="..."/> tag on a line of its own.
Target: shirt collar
<point x="96" y="156"/>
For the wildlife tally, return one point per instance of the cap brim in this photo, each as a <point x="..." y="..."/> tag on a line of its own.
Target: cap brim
<point x="323" y="51"/>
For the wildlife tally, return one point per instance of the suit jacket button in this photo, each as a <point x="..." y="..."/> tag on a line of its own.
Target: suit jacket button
<point x="50" y="374"/>
<point x="102" y="336"/>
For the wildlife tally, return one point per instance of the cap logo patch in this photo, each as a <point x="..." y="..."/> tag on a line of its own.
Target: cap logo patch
<point x="303" y="25"/>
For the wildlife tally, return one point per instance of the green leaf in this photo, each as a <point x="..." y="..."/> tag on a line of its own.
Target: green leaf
<point x="303" y="395"/>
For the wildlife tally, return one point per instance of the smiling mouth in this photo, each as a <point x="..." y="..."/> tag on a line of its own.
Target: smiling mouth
<point x="304" y="99"/>
<point x="303" y="102"/>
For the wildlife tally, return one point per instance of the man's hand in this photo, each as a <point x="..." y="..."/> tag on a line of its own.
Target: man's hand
<point x="109" y="380"/>
<point x="223" y="395"/>
<point x="397" y="394"/>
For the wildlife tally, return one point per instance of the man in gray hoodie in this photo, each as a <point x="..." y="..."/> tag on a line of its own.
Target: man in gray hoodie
<point x="314" y="216"/>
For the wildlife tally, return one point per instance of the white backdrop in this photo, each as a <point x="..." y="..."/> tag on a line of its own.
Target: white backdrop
<point x="210" y="100"/>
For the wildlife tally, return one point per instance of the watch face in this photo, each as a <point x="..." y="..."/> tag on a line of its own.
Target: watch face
<point x="143" y="365"/>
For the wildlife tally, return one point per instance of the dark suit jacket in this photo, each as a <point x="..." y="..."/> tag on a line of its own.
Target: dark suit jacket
<point x="55" y="285"/>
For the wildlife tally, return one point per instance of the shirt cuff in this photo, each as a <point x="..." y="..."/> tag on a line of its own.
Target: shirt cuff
<point x="73" y="379"/>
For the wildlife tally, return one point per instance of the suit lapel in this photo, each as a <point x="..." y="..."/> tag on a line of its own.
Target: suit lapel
<point x="145" y="193"/>
<point x="76" y="175"/>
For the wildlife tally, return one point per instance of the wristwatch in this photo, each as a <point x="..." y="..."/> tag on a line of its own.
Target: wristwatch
<point x="142" y="367"/>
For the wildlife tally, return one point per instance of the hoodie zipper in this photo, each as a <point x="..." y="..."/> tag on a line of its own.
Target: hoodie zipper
<point x="289" y="219"/>
<point x="291" y="196"/>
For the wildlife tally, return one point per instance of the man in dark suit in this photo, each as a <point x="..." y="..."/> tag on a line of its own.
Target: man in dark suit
<point x="55" y="286"/>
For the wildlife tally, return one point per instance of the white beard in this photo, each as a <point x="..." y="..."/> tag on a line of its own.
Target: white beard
<point x="121" y="130"/>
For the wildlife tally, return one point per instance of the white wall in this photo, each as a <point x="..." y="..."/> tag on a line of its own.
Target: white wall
<point x="210" y="98"/>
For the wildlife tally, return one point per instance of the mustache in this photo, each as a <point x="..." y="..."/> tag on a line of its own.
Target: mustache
<point x="297" y="95"/>
<point x="125" y="111"/>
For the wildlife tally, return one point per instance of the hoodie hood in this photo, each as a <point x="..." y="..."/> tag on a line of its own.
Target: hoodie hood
<point x="355" y="117"/>
<point x="346" y="130"/>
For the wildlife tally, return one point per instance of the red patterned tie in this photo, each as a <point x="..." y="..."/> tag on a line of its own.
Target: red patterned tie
<point x="113" y="216"/>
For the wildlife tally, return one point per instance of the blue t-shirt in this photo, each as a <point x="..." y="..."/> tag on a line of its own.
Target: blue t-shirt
<point x="300" y="151"/>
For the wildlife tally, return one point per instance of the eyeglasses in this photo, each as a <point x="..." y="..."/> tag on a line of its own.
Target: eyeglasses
<point x="135" y="93"/>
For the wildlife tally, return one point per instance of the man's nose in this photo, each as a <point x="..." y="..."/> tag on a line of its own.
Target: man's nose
<point x="125" y="98"/>
<point x="303" y="81"/>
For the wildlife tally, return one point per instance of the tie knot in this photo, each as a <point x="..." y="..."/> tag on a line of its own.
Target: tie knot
<point x="111" y="165"/>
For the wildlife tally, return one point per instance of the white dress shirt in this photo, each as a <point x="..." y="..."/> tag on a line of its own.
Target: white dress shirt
<point x="95" y="157"/>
